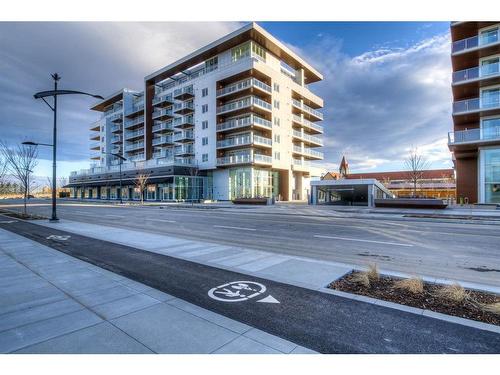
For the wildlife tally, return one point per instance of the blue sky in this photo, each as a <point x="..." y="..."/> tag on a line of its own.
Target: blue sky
<point x="386" y="86"/>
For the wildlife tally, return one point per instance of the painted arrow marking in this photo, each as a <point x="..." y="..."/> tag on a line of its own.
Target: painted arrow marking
<point x="58" y="238"/>
<point x="269" y="299"/>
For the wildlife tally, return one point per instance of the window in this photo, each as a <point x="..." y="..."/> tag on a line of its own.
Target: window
<point x="204" y="108"/>
<point x="240" y="52"/>
<point x="204" y="92"/>
<point x="211" y="64"/>
<point x="258" y="51"/>
<point x="489" y="36"/>
<point x="277" y="104"/>
<point x="277" y="138"/>
<point x="204" y="157"/>
<point x="277" y="155"/>
<point x="204" y="141"/>
<point x="204" y="124"/>
<point x="277" y="121"/>
<point x="276" y="87"/>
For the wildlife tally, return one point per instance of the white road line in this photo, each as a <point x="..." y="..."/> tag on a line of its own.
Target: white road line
<point x="162" y="220"/>
<point x="239" y="228"/>
<point x="360" y="240"/>
<point x="119" y="216"/>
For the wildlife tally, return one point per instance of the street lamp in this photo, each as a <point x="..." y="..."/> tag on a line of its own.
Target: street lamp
<point x="122" y="159"/>
<point x="54" y="93"/>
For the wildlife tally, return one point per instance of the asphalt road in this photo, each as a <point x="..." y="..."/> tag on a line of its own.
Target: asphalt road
<point x="323" y="322"/>
<point x="467" y="252"/>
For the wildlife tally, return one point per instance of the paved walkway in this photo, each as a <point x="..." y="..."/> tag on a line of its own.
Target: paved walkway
<point x="53" y="303"/>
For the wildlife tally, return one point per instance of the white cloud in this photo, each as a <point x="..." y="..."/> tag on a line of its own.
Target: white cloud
<point x="381" y="102"/>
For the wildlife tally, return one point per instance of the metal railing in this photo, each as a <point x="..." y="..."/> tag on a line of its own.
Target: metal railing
<point x="243" y="103"/>
<point x="136" y="121"/>
<point x="476" y="72"/>
<point x="474" y="135"/>
<point x="134" y="146"/>
<point x="242" y="85"/>
<point x="476" y="104"/>
<point x="162" y="140"/>
<point x="474" y="42"/>
<point x="242" y="122"/>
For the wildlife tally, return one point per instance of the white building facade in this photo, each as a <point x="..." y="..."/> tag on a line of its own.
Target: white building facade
<point x="234" y="119"/>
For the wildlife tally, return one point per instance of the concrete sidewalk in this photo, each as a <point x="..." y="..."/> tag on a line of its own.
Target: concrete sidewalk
<point x="53" y="303"/>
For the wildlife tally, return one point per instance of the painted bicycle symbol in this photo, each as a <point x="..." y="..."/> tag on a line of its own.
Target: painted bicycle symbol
<point x="238" y="291"/>
<point x="58" y="238"/>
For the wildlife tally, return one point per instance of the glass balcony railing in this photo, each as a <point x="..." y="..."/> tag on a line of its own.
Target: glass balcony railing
<point x="476" y="104"/>
<point x="244" y="159"/>
<point x="116" y="128"/>
<point x="183" y="92"/>
<point x="262" y="140"/>
<point x="307" y="123"/>
<point x="162" y="126"/>
<point x="308" y="137"/>
<point x="134" y="146"/>
<point x="184" y="121"/>
<point x="307" y="109"/>
<point x="242" y="122"/>
<point x="184" y="107"/>
<point x="184" y="149"/>
<point x="137" y="107"/>
<point x="162" y="113"/>
<point x="160" y="99"/>
<point x="244" y="103"/>
<point x="116" y="138"/>
<point x="134" y="134"/>
<point x="136" y="121"/>
<point x="115" y="108"/>
<point x="242" y="85"/>
<point x="184" y="136"/>
<point x="474" y="135"/>
<point x="95" y="145"/>
<point x="476" y="72"/>
<point x="162" y="140"/>
<point x="163" y="154"/>
<point x="475" y="42"/>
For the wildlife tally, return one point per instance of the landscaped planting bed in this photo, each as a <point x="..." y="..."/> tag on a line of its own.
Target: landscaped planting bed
<point x="447" y="299"/>
<point x="20" y="215"/>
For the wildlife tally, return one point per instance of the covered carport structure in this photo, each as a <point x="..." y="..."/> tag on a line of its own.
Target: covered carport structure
<point x="361" y="192"/>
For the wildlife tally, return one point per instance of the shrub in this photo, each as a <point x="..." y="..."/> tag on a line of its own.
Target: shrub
<point x="413" y="285"/>
<point x="361" y="278"/>
<point x="454" y="292"/>
<point x="373" y="273"/>
<point x="493" y="308"/>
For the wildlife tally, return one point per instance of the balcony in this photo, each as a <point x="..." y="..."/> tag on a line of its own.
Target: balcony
<point x="94" y="136"/>
<point x="247" y="85"/>
<point x="134" y="122"/>
<point x="163" y="114"/>
<point x="134" y="146"/>
<point x="245" y="159"/>
<point x="117" y="117"/>
<point x="184" y="150"/>
<point x="137" y="157"/>
<point x="243" y="122"/>
<point x="307" y="152"/>
<point x="476" y="74"/>
<point x="160" y="100"/>
<point x="95" y="126"/>
<point x="115" y="128"/>
<point x="244" y="140"/>
<point x="116" y="138"/>
<point x="308" y="111"/>
<point x="95" y="145"/>
<point x="163" y="127"/>
<point x="95" y="155"/>
<point x="135" y="109"/>
<point x="163" y="154"/>
<point x="184" y="108"/>
<point x="116" y="149"/>
<point x="301" y="165"/>
<point x="476" y="105"/>
<point x="184" y="93"/>
<point x="113" y="110"/>
<point x="162" y="141"/>
<point x="130" y="135"/>
<point x="184" y="136"/>
<point x="184" y="122"/>
<point x="311" y="126"/>
<point x="306" y="138"/>
<point x="251" y="102"/>
<point x="475" y="42"/>
<point x="474" y="137"/>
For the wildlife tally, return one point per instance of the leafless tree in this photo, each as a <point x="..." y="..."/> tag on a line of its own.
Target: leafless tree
<point x="416" y="164"/>
<point x="141" y="182"/>
<point x="20" y="162"/>
<point x="60" y="183"/>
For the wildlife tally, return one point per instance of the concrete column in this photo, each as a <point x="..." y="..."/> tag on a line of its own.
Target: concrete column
<point x="299" y="76"/>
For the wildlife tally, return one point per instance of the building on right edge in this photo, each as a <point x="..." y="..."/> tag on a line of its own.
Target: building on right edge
<point x="475" y="140"/>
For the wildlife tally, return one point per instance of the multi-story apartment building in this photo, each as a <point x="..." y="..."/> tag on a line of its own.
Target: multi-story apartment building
<point x="475" y="141"/>
<point x="233" y="119"/>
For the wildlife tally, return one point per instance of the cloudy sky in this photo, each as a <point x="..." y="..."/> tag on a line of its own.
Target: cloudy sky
<point x="386" y="86"/>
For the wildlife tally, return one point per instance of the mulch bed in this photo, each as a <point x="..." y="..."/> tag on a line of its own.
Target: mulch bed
<point x="383" y="289"/>
<point x="19" y="215"/>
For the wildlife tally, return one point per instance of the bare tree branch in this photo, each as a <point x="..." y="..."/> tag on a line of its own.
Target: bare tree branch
<point x="416" y="164"/>
<point x="141" y="181"/>
<point x="20" y="162"/>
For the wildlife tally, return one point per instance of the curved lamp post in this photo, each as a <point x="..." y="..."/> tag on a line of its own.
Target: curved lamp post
<point x="55" y="93"/>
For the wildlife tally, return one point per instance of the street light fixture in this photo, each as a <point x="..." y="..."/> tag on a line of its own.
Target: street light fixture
<point x="55" y="93"/>
<point x="122" y="159"/>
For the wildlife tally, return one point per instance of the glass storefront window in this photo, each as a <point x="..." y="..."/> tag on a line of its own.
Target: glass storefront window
<point x="104" y="194"/>
<point x="151" y="192"/>
<point x="490" y="128"/>
<point x="240" y="185"/>
<point x="492" y="175"/>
